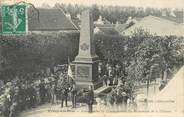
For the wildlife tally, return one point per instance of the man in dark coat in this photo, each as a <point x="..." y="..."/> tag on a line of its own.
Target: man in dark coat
<point x="118" y="100"/>
<point x="13" y="110"/>
<point x="66" y="91"/>
<point x="53" y="92"/>
<point x="90" y="99"/>
<point x="32" y="95"/>
<point x="73" y="95"/>
<point x="5" y="108"/>
<point x="64" y="96"/>
<point x="124" y="100"/>
<point x="105" y="78"/>
<point x="42" y="91"/>
<point x="22" y="94"/>
<point x="58" y="91"/>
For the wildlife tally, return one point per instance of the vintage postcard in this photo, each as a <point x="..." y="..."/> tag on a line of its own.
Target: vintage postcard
<point x="91" y="58"/>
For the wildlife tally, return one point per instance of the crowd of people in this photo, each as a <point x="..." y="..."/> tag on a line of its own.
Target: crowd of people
<point x="121" y="96"/>
<point x="32" y="90"/>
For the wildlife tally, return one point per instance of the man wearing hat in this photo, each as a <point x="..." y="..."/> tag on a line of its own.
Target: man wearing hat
<point x="13" y="110"/>
<point x="90" y="99"/>
<point x="5" y="106"/>
<point x="105" y="78"/>
<point x="73" y="95"/>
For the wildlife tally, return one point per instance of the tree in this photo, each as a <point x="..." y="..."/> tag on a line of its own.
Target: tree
<point x="139" y="51"/>
<point x="95" y="12"/>
<point x="31" y="53"/>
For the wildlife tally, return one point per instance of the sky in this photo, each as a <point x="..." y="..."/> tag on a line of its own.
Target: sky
<point x="136" y="3"/>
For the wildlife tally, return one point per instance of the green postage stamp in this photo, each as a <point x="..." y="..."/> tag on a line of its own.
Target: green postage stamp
<point x="13" y="19"/>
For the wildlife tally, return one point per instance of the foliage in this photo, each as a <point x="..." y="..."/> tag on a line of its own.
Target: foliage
<point x="109" y="47"/>
<point x="26" y="54"/>
<point x="114" y="13"/>
<point x="141" y="51"/>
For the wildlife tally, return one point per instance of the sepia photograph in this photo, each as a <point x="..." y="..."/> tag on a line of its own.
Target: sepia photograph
<point x="91" y="58"/>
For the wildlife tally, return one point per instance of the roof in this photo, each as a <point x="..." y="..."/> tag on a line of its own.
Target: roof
<point x="49" y="20"/>
<point x="107" y="29"/>
<point x="156" y="25"/>
<point x="138" y="18"/>
<point x="121" y="27"/>
<point x="101" y="21"/>
<point x="105" y="25"/>
<point x="76" y="22"/>
<point x="110" y="31"/>
<point x="179" y="17"/>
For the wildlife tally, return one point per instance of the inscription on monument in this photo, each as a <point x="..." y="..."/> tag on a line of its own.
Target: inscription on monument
<point x="83" y="71"/>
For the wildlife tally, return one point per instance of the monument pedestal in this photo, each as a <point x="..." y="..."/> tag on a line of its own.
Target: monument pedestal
<point x="86" y="73"/>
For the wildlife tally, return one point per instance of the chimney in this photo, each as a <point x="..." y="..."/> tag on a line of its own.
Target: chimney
<point x="100" y="18"/>
<point x="164" y="13"/>
<point x="172" y="13"/>
<point x="99" y="21"/>
<point x="68" y="16"/>
<point x="78" y="16"/>
<point x="129" y="20"/>
<point x="117" y="24"/>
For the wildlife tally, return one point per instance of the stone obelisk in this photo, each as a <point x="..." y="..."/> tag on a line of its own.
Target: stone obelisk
<point x="86" y="62"/>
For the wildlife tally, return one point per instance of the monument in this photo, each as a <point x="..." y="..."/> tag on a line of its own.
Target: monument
<point x="86" y="62"/>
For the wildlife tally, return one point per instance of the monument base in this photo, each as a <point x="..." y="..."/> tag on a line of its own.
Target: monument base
<point x="91" y="59"/>
<point x="86" y="73"/>
<point x="85" y="85"/>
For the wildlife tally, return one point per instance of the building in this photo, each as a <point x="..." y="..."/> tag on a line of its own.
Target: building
<point x="156" y="26"/>
<point x="121" y="27"/>
<point x="133" y="20"/>
<point x="103" y="26"/>
<point x="176" y="16"/>
<point x="108" y="29"/>
<point x="130" y="22"/>
<point x="49" y="20"/>
<point x="44" y="20"/>
<point x="101" y="21"/>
